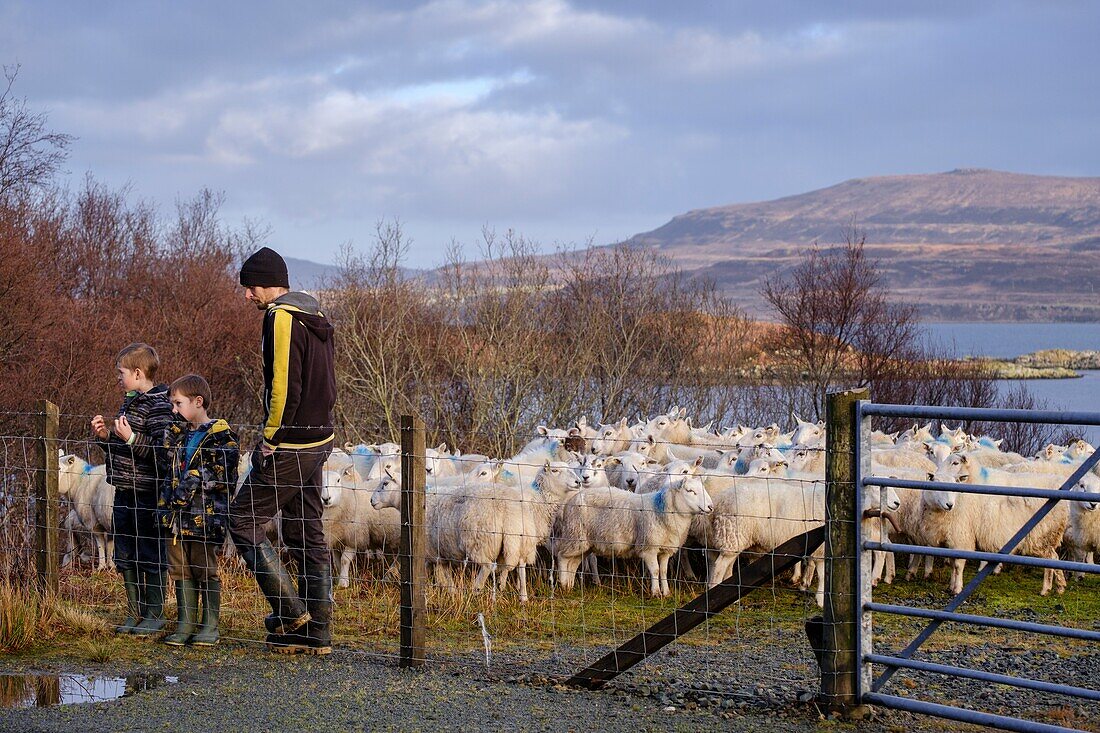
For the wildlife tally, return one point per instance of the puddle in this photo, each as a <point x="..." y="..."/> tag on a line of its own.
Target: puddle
<point x="41" y="690"/>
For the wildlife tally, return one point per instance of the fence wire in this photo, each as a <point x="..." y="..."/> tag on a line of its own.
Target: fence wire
<point x="539" y="563"/>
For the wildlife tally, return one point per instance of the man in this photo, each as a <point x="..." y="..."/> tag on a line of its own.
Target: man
<point x="299" y="394"/>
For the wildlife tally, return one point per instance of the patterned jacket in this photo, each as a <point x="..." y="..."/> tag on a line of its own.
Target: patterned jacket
<point x="194" y="499"/>
<point x="140" y="466"/>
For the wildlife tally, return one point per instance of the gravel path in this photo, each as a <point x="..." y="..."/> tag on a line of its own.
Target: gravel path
<point x="767" y="684"/>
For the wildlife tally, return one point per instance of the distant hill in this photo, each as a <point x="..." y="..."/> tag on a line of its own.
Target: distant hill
<point x="308" y="275"/>
<point x="968" y="244"/>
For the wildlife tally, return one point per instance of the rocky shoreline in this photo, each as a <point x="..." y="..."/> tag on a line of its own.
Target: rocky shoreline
<point x="1045" y="364"/>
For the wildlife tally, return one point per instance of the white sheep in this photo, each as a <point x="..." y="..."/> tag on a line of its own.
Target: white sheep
<point x="669" y="473"/>
<point x="765" y="513"/>
<point x="350" y="521"/>
<point x="808" y="434"/>
<point x="365" y="456"/>
<point x="612" y="438"/>
<point x="620" y="524"/>
<point x="903" y="457"/>
<point x="627" y="470"/>
<point x="500" y="527"/>
<point x="965" y="521"/>
<point x="1082" y="536"/>
<point x="92" y="498"/>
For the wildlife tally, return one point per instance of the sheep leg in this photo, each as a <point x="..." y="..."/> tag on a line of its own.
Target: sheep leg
<point x="654" y="570"/>
<point x="796" y="574"/>
<point x="591" y="567"/>
<point x="819" y="597"/>
<point x="911" y="570"/>
<point x="484" y="570"/>
<point x="1059" y="575"/>
<point x="344" y="573"/>
<point x="662" y="565"/>
<point x="891" y="569"/>
<point x="878" y="564"/>
<point x="958" y="566"/>
<point x="808" y="574"/>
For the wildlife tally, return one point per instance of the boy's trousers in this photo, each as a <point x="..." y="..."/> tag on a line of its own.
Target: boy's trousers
<point x="139" y="539"/>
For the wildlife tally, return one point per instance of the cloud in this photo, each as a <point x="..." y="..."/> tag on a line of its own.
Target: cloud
<point x="567" y="116"/>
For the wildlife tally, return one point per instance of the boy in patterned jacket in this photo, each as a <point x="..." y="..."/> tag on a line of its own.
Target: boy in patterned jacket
<point x="194" y="499"/>
<point x="135" y="468"/>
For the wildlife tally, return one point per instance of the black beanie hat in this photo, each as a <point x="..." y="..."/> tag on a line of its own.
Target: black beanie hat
<point x="265" y="269"/>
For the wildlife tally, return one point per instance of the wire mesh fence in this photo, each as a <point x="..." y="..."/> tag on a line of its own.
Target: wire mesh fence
<point x="539" y="563"/>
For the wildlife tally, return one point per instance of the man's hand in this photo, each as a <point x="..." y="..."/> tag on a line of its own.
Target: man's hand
<point x="122" y="428"/>
<point x="266" y="450"/>
<point x="99" y="427"/>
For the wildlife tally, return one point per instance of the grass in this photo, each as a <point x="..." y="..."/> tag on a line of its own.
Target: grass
<point x="366" y="615"/>
<point x="28" y="617"/>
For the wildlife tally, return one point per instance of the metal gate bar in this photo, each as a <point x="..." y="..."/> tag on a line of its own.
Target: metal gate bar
<point x="999" y="623"/>
<point x="962" y="714"/>
<point x="977" y="580"/>
<point x="977" y="674"/>
<point x="993" y="557"/>
<point x="903" y="660"/>
<point x="1059" y="494"/>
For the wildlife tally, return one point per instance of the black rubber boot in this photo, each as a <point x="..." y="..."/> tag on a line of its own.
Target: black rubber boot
<point x="187" y="604"/>
<point x="153" y="619"/>
<point x="288" y="612"/>
<point x="211" y="613"/>
<point x="133" y="602"/>
<point x="315" y="588"/>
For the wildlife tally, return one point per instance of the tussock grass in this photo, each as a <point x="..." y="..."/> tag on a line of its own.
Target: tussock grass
<point x="367" y="617"/>
<point x="28" y="616"/>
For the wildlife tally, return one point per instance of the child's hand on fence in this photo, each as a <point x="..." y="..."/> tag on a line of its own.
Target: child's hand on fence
<point x="122" y="428"/>
<point x="99" y="427"/>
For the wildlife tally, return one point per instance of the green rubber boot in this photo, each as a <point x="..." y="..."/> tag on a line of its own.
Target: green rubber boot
<point x="211" y="613"/>
<point x="153" y="614"/>
<point x="187" y="603"/>
<point x="133" y="602"/>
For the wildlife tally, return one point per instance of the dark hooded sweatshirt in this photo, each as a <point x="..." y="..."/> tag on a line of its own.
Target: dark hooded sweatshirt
<point x="299" y="373"/>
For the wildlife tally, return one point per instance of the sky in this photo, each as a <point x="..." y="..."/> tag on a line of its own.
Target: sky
<point x="567" y="122"/>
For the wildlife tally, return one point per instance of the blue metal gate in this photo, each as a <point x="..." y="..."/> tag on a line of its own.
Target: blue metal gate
<point x="871" y="688"/>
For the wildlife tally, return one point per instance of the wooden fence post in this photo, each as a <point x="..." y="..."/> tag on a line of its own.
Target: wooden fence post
<point x="842" y="616"/>
<point x="414" y="567"/>
<point x="45" y="498"/>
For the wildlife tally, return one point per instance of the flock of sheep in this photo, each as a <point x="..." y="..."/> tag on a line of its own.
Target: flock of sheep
<point x="648" y="490"/>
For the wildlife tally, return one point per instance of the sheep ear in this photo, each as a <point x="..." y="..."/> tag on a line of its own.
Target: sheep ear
<point x="542" y="430"/>
<point x="612" y="461"/>
<point x="442" y="448"/>
<point x="348" y="447"/>
<point x="574" y="432"/>
<point x="683" y="412"/>
<point x="997" y="443"/>
<point x="583" y="421"/>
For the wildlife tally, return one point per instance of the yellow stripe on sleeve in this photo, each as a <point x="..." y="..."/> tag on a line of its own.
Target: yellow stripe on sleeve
<point x="280" y="366"/>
